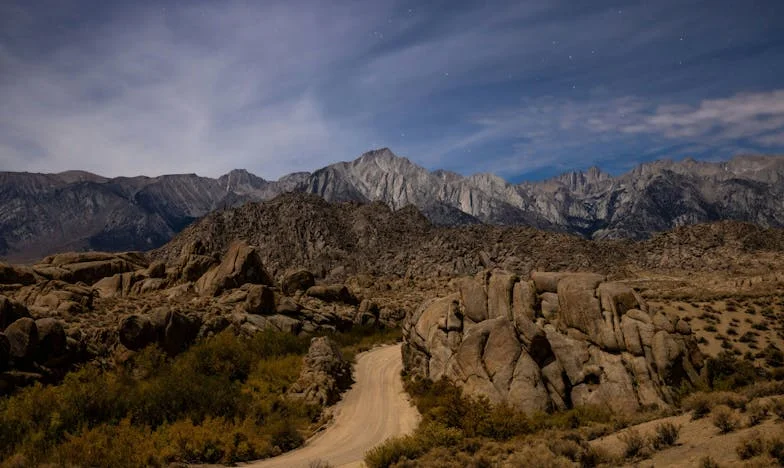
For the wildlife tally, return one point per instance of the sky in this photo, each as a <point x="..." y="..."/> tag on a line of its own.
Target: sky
<point x="525" y="90"/>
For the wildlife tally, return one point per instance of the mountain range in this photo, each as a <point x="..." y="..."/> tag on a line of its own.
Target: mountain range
<point x="45" y="213"/>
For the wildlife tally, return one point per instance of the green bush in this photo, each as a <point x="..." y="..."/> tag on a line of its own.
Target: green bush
<point x="226" y="385"/>
<point x="727" y="372"/>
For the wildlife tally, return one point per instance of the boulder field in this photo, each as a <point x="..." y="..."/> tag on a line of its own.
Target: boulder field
<point x="551" y="342"/>
<point x="71" y="308"/>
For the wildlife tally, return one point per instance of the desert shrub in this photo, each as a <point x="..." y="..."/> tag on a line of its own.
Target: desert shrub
<point x="708" y="462"/>
<point x="666" y="435"/>
<point x="757" y="411"/>
<point x="391" y="451"/>
<point x="710" y="328"/>
<point x="773" y="356"/>
<point x="444" y="403"/>
<point x="727" y="372"/>
<point x="320" y="464"/>
<point x="121" y="445"/>
<point x="592" y="457"/>
<point x="750" y="447"/>
<point x="634" y="443"/>
<point x="537" y="456"/>
<point x="724" y="419"/>
<point x="778" y="408"/>
<point x="701" y="403"/>
<point x="224" y="385"/>
<point x="566" y="448"/>
<point x="775" y="448"/>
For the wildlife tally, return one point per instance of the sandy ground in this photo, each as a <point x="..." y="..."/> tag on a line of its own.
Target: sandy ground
<point x="697" y="439"/>
<point x="373" y="410"/>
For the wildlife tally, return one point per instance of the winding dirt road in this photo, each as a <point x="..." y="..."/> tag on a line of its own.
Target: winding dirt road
<point x="373" y="410"/>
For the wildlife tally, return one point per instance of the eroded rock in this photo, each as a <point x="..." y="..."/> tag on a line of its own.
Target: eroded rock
<point x="590" y="343"/>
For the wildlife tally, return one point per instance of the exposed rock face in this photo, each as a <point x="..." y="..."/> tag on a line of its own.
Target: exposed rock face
<point x="241" y="265"/>
<point x="325" y="374"/>
<point x="88" y="267"/>
<point x="503" y="338"/>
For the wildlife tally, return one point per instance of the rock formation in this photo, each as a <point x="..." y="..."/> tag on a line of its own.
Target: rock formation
<point x="554" y="341"/>
<point x="325" y="374"/>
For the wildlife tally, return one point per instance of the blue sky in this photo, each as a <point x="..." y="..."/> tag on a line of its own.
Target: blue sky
<point x="525" y="90"/>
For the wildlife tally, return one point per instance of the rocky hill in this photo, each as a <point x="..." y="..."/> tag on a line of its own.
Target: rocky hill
<point x="45" y="213"/>
<point x="344" y="239"/>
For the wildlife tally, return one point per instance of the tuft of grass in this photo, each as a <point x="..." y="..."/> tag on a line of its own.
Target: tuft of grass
<point x="708" y="462"/>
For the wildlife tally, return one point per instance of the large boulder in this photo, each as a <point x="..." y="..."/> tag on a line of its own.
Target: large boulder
<point x="589" y="343"/>
<point x="137" y="332"/>
<point x="11" y="311"/>
<point x="51" y="341"/>
<point x="14" y="274"/>
<point x="5" y="352"/>
<point x="241" y="264"/>
<point x="325" y="374"/>
<point x="260" y="300"/>
<point x="88" y="267"/>
<point x="58" y="296"/>
<point x="298" y="280"/>
<point x="173" y="331"/>
<point x="180" y="332"/>
<point x="23" y="339"/>
<point x="118" y="285"/>
<point x="332" y="293"/>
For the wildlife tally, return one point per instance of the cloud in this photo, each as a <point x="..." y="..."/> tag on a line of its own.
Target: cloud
<point x="276" y="86"/>
<point x="204" y="89"/>
<point x="755" y="117"/>
<point x="558" y="133"/>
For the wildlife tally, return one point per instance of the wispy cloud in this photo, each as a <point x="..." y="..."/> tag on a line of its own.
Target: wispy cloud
<point x="280" y="86"/>
<point x="202" y="89"/>
<point x="557" y="133"/>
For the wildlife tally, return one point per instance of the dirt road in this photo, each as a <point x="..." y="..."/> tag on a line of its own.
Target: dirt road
<point x="374" y="409"/>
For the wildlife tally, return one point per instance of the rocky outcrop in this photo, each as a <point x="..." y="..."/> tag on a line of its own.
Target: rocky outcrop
<point x="14" y="274"/>
<point x="11" y="311"/>
<point x="325" y="374"/>
<point x="88" y="267"/>
<point x="23" y="338"/>
<point x="240" y="265"/>
<point x="556" y="341"/>
<point x="332" y="293"/>
<point x="172" y="330"/>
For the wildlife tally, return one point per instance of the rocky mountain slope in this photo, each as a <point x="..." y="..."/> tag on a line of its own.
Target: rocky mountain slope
<point x="343" y="239"/>
<point x="45" y="213"/>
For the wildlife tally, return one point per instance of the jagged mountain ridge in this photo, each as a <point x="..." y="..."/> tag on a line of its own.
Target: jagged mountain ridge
<point x="45" y="213"/>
